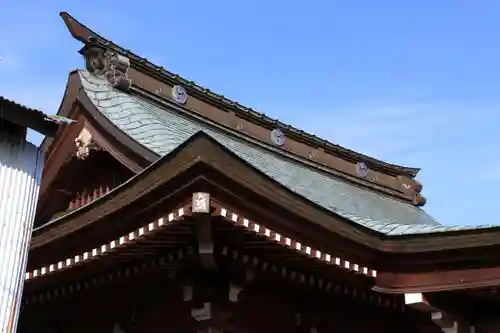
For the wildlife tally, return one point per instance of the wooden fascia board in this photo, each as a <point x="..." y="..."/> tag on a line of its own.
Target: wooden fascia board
<point x="53" y="149"/>
<point x="199" y="150"/>
<point x="424" y="282"/>
<point x="137" y="186"/>
<point x="441" y="241"/>
<point x="222" y="159"/>
<point x="73" y="86"/>
<point x="118" y="245"/>
<point x="219" y="158"/>
<point x="64" y="147"/>
<point x="76" y="105"/>
<point x="113" y="140"/>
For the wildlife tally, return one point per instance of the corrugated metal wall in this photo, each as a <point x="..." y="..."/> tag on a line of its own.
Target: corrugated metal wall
<point x="21" y="166"/>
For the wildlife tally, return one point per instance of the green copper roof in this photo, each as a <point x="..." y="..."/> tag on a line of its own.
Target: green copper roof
<point x="162" y="130"/>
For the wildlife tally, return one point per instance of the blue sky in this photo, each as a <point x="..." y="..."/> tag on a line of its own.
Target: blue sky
<point x="410" y="82"/>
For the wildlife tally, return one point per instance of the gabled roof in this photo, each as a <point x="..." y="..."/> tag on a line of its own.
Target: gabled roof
<point x="162" y="130"/>
<point x="83" y="33"/>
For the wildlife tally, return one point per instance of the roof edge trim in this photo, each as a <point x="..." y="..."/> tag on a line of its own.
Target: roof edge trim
<point x="194" y="151"/>
<point x="157" y="100"/>
<point x="400" y="283"/>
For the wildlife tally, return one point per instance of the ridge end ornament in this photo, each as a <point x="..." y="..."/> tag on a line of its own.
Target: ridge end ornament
<point x="361" y="169"/>
<point x="107" y="64"/>
<point x="179" y="94"/>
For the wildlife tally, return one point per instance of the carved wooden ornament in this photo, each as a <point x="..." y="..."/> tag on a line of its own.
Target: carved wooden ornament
<point x="107" y="64"/>
<point x="83" y="142"/>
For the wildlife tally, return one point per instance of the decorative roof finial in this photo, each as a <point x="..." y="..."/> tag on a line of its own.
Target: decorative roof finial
<point x="106" y="64"/>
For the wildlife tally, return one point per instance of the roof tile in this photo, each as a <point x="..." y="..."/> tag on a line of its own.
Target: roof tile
<point x="162" y="130"/>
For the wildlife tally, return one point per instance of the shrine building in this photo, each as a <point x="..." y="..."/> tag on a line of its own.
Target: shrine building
<point x="168" y="207"/>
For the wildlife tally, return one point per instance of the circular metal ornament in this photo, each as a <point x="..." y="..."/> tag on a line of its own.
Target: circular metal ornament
<point x="277" y="137"/>
<point x="361" y="169"/>
<point x="406" y="187"/>
<point x="179" y="94"/>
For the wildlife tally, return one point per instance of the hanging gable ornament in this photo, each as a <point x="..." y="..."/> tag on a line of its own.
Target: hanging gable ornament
<point x="106" y="64"/>
<point x="84" y="144"/>
<point x="361" y="169"/>
<point x="179" y="94"/>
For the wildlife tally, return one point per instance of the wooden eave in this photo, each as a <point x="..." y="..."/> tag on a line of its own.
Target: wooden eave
<point x="194" y="156"/>
<point x="176" y="231"/>
<point x="202" y="162"/>
<point x="171" y="238"/>
<point x="82" y="33"/>
<point x="442" y="280"/>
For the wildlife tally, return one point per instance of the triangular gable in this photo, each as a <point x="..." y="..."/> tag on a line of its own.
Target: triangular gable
<point x="161" y="130"/>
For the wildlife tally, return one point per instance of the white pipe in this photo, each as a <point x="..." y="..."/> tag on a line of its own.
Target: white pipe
<point x="21" y="166"/>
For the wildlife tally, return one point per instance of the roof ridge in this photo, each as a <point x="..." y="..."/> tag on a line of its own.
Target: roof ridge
<point x="82" y="33"/>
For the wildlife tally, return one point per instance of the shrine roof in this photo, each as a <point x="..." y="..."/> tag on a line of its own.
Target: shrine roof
<point x="163" y="129"/>
<point x="83" y="33"/>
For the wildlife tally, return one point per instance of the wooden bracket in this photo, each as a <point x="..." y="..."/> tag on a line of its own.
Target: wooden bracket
<point x="240" y="283"/>
<point x="209" y="307"/>
<point x="203" y="226"/>
<point x="446" y="322"/>
<point x="305" y="322"/>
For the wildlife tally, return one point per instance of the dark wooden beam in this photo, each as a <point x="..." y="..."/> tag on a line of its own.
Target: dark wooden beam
<point x="448" y="322"/>
<point x="419" y="282"/>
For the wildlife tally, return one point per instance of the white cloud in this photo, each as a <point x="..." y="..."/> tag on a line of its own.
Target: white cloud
<point x="402" y="133"/>
<point x="9" y="63"/>
<point x="455" y="145"/>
